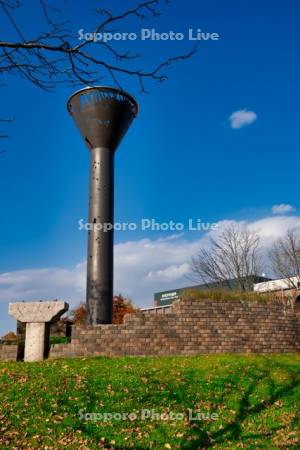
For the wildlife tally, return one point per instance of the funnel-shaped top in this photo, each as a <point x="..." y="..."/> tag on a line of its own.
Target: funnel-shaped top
<point x="102" y="114"/>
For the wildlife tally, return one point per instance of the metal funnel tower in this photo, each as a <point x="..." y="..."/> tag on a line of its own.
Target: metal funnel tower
<point x="103" y="115"/>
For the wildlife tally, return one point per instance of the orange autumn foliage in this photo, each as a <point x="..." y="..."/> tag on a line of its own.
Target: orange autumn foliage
<point x="78" y="316"/>
<point x="10" y="336"/>
<point x="121" y="306"/>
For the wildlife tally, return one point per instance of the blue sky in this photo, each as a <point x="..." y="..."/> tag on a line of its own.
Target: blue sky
<point x="180" y="159"/>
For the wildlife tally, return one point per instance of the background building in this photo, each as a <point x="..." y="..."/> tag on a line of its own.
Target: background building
<point x="166" y="298"/>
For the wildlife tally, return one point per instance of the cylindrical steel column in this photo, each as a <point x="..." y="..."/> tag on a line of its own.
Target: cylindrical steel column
<point x="100" y="238"/>
<point x="103" y="115"/>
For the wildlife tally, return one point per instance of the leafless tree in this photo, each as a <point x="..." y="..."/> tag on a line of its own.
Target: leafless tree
<point x="57" y="56"/>
<point x="285" y="259"/>
<point x="233" y="255"/>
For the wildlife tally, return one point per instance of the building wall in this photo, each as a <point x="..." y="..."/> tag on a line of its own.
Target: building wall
<point x="284" y="284"/>
<point x="165" y="298"/>
<point x="192" y="327"/>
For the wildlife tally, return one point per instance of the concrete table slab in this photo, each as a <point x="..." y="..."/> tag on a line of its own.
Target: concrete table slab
<point x="37" y="315"/>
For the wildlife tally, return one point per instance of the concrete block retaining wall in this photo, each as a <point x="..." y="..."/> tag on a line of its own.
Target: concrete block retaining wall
<point x="191" y="327"/>
<point x="8" y="352"/>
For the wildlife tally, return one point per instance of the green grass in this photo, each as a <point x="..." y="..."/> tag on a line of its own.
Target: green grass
<point x="52" y="340"/>
<point x="59" y="340"/>
<point x="255" y="397"/>
<point x="222" y="294"/>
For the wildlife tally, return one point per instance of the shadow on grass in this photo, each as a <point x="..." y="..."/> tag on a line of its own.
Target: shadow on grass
<point x="199" y="434"/>
<point x="233" y="430"/>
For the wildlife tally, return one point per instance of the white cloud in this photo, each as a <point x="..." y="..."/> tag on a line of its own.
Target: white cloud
<point x="142" y="267"/>
<point x="272" y="228"/>
<point x="149" y="265"/>
<point x="241" y="118"/>
<point x="283" y="208"/>
<point x="46" y="284"/>
<point x="170" y="273"/>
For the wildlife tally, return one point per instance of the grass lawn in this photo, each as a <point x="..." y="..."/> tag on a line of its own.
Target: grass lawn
<point x="254" y="400"/>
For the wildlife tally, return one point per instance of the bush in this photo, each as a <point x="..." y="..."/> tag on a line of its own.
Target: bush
<point x="121" y="306"/>
<point x="59" y="340"/>
<point x="10" y="336"/>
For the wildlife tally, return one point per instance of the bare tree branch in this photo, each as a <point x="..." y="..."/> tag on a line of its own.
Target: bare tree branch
<point x="53" y="58"/>
<point x="234" y="255"/>
<point x="285" y="259"/>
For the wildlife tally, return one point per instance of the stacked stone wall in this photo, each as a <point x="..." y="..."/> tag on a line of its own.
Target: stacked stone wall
<point x="191" y="327"/>
<point x="8" y="352"/>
